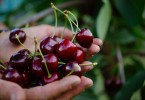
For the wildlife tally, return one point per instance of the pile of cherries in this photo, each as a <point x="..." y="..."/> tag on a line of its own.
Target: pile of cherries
<point x="53" y="59"/>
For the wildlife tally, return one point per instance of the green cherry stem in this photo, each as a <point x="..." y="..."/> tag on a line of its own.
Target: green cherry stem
<point x="3" y="66"/>
<point x="70" y="23"/>
<point x="74" y="18"/>
<point x="26" y="26"/>
<point x="64" y="29"/>
<point x="35" y="42"/>
<point x="55" y="14"/>
<point x="49" y="75"/>
<point x="61" y="63"/>
<point x="91" y="64"/>
<point x="70" y="73"/>
<point x="20" y="41"/>
<point x="66" y="16"/>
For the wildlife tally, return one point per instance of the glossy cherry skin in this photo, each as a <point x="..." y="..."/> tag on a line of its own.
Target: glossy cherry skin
<point x="72" y="66"/>
<point x="84" y="38"/>
<point x="24" y="52"/>
<point x="19" y="61"/>
<point x="66" y="49"/>
<point x="113" y="85"/>
<point x="26" y="79"/>
<point x="54" y="77"/>
<point x="48" y="45"/>
<point x="37" y="68"/>
<point x="51" y="61"/>
<point x="56" y="38"/>
<point x="79" y="57"/>
<point x="13" y="76"/>
<point x="21" y="34"/>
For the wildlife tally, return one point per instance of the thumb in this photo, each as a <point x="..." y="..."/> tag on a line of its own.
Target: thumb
<point x="11" y="91"/>
<point x="53" y="90"/>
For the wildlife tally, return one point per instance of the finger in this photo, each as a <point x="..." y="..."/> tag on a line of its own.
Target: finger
<point x="85" y="83"/>
<point x="86" y="68"/>
<point x="54" y="89"/>
<point x="91" y="51"/>
<point x="67" y="33"/>
<point x="98" y="41"/>
<point x="11" y="91"/>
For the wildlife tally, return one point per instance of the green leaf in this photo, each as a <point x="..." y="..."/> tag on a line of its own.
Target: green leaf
<point x="121" y="36"/>
<point x="103" y="19"/>
<point x="131" y="86"/>
<point x="138" y="32"/>
<point x="131" y="10"/>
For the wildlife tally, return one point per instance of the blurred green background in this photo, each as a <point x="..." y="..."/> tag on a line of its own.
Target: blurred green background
<point x="120" y="73"/>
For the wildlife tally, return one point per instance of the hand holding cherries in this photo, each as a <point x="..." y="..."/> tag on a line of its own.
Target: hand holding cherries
<point x="52" y="59"/>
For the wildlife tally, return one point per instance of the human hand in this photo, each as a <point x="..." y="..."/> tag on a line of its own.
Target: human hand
<point x="64" y="88"/>
<point x="7" y="48"/>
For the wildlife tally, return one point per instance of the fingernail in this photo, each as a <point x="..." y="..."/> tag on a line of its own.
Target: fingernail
<point x="89" y="84"/>
<point x="13" y="96"/>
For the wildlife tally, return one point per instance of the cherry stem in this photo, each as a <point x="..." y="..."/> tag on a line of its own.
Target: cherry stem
<point x="61" y="63"/>
<point x="91" y="64"/>
<point x="55" y="15"/>
<point x="70" y="23"/>
<point x="49" y="75"/>
<point x="35" y="53"/>
<point x="74" y="18"/>
<point x="20" y="42"/>
<point x="26" y="26"/>
<point x="64" y="29"/>
<point x="70" y="73"/>
<point x="3" y="66"/>
<point x="66" y="16"/>
<point x="35" y="41"/>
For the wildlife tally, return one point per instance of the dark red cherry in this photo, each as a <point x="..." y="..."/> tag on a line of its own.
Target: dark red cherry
<point x="21" y="34"/>
<point x="51" y="61"/>
<point x="26" y="79"/>
<point x="48" y="45"/>
<point x="79" y="57"/>
<point x="66" y="49"/>
<point x="113" y="85"/>
<point x="13" y="76"/>
<point x="37" y="67"/>
<point x="19" y="61"/>
<point x="84" y="38"/>
<point x="72" y="66"/>
<point x="54" y="77"/>
<point x="24" y="52"/>
<point x="56" y="38"/>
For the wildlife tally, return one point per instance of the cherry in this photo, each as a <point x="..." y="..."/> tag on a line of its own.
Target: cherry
<point x="19" y="61"/>
<point x="24" y="52"/>
<point x="52" y="62"/>
<point x="26" y="79"/>
<point x="56" y="38"/>
<point x="21" y="34"/>
<point x="73" y="68"/>
<point x="37" y="68"/>
<point x="54" y="77"/>
<point x="48" y="45"/>
<point x="84" y="38"/>
<point x="79" y="57"/>
<point x="113" y="85"/>
<point x="13" y="76"/>
<point x="66" y="49"/>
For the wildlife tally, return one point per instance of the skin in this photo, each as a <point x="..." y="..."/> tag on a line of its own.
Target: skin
<point x="67" y="87"/>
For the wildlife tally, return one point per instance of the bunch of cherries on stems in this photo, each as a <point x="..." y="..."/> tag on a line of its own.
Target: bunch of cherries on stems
<point x="53" y="59"/>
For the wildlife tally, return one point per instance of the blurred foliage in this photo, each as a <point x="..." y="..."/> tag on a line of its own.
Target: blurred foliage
<point x="118" y="22"/>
